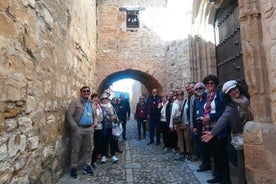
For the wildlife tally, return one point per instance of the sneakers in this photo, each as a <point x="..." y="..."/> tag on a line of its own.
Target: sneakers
<point x="180" y="157"/>
<point x="94" y="165"/>
<point x="88" y="171"/>
<point x="73" y="172"/>
<point x="174" y="150"/>
<point x="165" y="150"/>
<point x="114" y="159"/>
<point x="103" y="161"/>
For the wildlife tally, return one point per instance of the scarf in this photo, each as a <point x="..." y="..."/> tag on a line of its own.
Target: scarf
<point x="207" y="110"/>
<point x="242" y="101"/>
<point x="163" y="112"/>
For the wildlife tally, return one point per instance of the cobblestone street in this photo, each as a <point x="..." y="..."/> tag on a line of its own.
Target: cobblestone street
<point x="141" y="163"/>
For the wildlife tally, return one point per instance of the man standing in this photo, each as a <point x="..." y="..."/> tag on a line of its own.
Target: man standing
<point x="82" y="118"/>
<point x="154" y="116"/>
<point x="124" y="113"/>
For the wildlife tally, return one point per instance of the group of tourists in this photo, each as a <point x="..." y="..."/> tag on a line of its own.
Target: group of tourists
<point x="91" y="119"/>
<point x="195" y="126"/>
<point x="199" y="125"/>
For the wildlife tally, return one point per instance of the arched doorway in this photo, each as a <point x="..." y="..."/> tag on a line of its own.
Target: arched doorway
<point x="147" y="80"/>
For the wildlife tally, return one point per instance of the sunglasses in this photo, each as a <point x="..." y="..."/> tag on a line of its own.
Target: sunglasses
<point x="104" y="98"/>
<point x="210" y="83"/>
<point x="85" y="91"/>
<point x="231" y="90"/>
<point x="199" y="89"/>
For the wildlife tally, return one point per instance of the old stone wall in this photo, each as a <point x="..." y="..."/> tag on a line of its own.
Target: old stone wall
<point x="47" y="52"/>
<point x="178" y="64"/>
<point x="143" y="50"/>
<point x="258" y="20"/>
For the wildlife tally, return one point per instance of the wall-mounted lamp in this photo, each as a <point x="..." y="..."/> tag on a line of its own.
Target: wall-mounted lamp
<point x="132" y="16"/>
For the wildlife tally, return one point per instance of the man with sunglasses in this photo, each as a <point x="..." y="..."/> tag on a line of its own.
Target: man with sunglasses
<point x="82" y="118"/>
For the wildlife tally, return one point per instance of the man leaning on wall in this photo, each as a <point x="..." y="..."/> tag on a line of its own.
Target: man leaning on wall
<point x="82" y="118"/>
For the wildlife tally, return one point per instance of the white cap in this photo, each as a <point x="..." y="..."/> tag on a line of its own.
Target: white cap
<point x="229" y="85"/>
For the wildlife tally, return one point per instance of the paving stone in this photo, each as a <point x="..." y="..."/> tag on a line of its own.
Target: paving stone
<point x="141" y="163"/>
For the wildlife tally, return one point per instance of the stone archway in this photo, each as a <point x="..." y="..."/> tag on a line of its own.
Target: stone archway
<point x="147" y="80"/>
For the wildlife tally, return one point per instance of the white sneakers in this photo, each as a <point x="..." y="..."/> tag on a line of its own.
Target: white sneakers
<point x="103" y="160"/>
<point x="114" y="159"/>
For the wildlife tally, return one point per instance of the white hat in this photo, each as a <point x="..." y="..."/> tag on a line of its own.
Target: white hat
<point x="229" y="85"/>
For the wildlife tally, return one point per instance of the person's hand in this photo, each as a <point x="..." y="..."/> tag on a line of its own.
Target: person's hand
<point x="128" y="118"/>
<point x="195" y="130"/>
<point x="207" y="136"/>
<point x="159" y="105"/>
<point x="206" y="118"/>
<point x="148" y="116"/>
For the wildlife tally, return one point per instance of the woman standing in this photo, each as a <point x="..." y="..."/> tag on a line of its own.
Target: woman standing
<point x="99" y="130"/>
<point x="177" y="111"/>
<point x="165" y="122"/>
<point x="141" y="116"/>
<point x="110" y="117"/>
<point x="236" y="114"/>
<point x="213" y="109"/>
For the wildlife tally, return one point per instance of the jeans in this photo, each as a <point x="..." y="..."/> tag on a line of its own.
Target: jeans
<point x="141" y="124"/>
<point x="154" y="126"/>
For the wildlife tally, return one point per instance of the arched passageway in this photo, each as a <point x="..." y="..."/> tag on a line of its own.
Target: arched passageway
<point x="147" y="80"/>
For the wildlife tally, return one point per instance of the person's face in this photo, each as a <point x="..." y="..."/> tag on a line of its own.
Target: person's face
<point x="85" y="93"/>
<point x="114" y="101"/>
<point x="96" y="99"/>
<point x="170" y="94"/>
<point x="141" y="100"/>
<point x="180" y="96"/>
<point x="190" y="89"/>
<point x="174" y="98"/>
<point x="154" y="92"/>
<point x="234" y="92"/>
<point x="104" y="100"/>
<point x="199" y="90"/>
<point x="164" y="99"/>
<point x="210" y="85"/>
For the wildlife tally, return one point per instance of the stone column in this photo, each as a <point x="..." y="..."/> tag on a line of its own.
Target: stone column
<point x="255" y="63"/>
<point x="259" y="135"/>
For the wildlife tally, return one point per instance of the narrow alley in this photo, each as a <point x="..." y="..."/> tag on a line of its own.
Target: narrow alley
<point x="140" y="163"/>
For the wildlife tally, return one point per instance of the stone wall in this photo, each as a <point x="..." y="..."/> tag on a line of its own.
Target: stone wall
<point x="258" y="20"/>
<point x="47" y="52"/>
<point x="143" y="50"/>
<point x="178" y="64"/>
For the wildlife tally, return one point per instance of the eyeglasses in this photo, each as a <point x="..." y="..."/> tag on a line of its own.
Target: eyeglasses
<point x="231" y="90"/>
<point x="211" y="83"/>
<point x="199" y="89"/>
<point x="85" y="91"/>
<point x="104" y="98"/>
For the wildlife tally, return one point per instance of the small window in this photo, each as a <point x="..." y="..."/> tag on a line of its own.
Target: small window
<point x="133" y="19"/>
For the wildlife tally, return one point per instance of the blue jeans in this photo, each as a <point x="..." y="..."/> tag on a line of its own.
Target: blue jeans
<point x="141" y="123"/>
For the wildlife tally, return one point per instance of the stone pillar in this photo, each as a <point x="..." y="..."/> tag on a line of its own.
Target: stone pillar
<point x="259" y="135"/>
